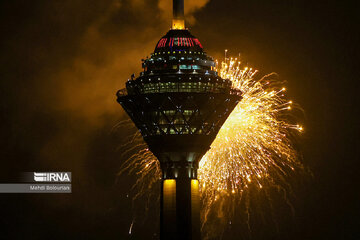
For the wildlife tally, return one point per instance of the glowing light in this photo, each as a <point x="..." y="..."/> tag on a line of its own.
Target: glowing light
<point x="178" y="24"/>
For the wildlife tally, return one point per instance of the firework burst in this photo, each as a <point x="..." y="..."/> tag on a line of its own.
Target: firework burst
<point x="254" y="146"/>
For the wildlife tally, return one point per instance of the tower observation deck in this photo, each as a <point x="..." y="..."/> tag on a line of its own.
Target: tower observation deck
<point x="179" y="104"/>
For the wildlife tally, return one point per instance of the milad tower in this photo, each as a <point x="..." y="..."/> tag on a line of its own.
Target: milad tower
<point x="179" y="104"/>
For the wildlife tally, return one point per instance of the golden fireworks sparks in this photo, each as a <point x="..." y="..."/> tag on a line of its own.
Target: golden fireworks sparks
<point x="254" y="144"/>
<point x="254" y="138"/>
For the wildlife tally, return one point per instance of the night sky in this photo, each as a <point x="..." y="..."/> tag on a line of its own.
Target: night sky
<point x="62" y="62"/>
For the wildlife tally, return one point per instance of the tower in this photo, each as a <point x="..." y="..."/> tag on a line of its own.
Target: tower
<point x="179" y="104"/>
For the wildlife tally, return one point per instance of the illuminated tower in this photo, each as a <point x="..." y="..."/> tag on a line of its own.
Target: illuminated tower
<point x="179" y="104"/>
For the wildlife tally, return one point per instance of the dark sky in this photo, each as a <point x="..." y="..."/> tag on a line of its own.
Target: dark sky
<point x="61" y="63"/>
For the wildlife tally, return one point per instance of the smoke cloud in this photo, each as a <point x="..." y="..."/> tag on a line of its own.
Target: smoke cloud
<point x="108" y="52"/>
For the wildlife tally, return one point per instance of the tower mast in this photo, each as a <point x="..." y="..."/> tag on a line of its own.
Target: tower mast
<point x="178" y="21"/>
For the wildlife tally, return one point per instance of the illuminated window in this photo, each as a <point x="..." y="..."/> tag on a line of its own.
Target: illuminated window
<point x="185" y="66"/>
<point x="196" y="67"/>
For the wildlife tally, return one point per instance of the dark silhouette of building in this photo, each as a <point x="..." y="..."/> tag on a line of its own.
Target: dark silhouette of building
<point x="179" y="104"/>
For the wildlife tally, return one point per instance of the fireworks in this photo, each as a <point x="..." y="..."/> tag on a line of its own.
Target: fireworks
<point x="254" y="145"/>
<point x="253" y="148"/>
<point x="254" y="139"/>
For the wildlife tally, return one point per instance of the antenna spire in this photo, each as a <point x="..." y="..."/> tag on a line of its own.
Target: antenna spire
<point x="178" y="21"/>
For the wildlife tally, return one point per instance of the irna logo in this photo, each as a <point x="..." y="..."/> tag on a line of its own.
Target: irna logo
<point x="52" y="177"/>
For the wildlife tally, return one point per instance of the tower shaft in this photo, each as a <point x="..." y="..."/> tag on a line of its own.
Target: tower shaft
<point x="180" y="209"/>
